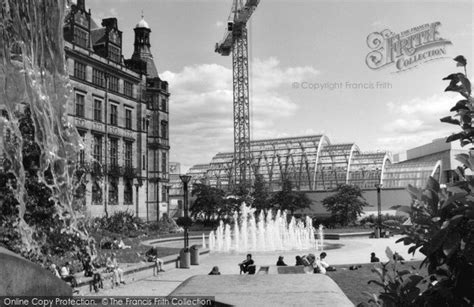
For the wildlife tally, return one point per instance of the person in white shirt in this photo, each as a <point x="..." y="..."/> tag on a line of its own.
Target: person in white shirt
<point x="321" y="264"/>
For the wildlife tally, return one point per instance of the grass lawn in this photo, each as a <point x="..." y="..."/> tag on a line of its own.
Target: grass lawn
<point x="137" y="251"/>
<point x="354" y="283"/>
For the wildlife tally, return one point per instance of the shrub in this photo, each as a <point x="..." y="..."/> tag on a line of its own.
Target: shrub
<point x="400" y="287"/>
<point x="184" y="221"/>
<point x="443" y="222"/>
<point x="121" y="222"/>
<point x="389" y="218"/>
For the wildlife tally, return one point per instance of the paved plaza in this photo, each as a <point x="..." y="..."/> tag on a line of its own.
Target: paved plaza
<point x="353" y="250"/>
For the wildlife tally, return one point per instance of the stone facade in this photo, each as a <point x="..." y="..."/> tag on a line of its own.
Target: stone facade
<point x="120" y="110"/>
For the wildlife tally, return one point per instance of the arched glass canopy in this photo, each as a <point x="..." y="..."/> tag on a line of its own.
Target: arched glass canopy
<point x="312" y="163"/>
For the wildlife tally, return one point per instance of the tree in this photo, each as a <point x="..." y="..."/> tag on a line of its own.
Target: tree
<point x="209" y="201"/>
<point x="261" y="197"/>
<point x="346" y="204"/>
<point x="287" y="199"/>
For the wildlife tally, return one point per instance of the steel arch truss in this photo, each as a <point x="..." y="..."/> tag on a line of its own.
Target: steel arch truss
<point x="366" y="169"/>
<point x="402" y="174"/>
<point x="312" y="163"/>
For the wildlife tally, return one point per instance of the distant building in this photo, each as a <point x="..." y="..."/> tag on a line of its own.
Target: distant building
<point x="313" y="163"/>
<point x="316" y="166"/>
<point x="121" y="112"/>
<point x="437" y="150"/>
<point x="176" y="196"/>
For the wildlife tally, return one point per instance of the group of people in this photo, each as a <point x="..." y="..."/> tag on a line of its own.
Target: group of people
<point x="65" y="273"/>
<point x="114" y="244"/>
<point x="87" y="258"/>
<point x="317" y="264"/>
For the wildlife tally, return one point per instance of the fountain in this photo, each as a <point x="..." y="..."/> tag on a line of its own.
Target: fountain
<point x="267" y="233"/>
<point x="33" y="77"/>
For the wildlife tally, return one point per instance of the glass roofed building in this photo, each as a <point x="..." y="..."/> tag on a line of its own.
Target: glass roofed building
<point x="313" y="163"/>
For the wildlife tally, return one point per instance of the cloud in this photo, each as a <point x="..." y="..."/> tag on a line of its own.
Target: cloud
<point x="201" y="106"/>
<point x="416" y="122"/>
<point x="219" y="24"/>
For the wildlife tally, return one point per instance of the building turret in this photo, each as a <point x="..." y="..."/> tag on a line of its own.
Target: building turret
<point x="142" y="48"/>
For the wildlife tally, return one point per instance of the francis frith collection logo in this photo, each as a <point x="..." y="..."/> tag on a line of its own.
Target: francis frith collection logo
<point x="407" y="49"/>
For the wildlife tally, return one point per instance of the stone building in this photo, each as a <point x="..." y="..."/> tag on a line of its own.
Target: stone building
<point x="121" y="112"/>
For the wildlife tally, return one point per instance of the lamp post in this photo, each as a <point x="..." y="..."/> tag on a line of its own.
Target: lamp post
<point x="185" y="179"/>
<point x="167" y="187"/>
<point x="379" y="209"/>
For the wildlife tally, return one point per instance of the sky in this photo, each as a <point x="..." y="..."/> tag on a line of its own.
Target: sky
<point x="308" y="70"/>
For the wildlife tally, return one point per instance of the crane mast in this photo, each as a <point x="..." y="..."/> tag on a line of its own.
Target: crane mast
<point x="236" y="41"/>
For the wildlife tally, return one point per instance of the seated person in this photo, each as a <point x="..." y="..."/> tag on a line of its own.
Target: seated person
<point x="247" y="266"/>
<point x="374" y="258"/>
<point x="299" y="260"/>
<point x="66" y="275"/>
<point x="321" y="266"/>
<point x="121" y="245"/>
<point x="280" y="261"/>
<point x="152" y="256"/>
<point x="87" y="266"/>
<point x="92" y="248"/>
<point x="105" y="243"/>
<point x="215" y="271"/>
<point x="310" y="259"/>
<point x="54" y="270"/>
<point x="113" y="266"/>
<point x="305" y="261"/>
<point x="115" y="243"/>
<point x="96" y="282"/>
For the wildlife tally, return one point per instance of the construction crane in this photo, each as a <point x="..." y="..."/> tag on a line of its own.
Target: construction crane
<point x="235" y="41"/>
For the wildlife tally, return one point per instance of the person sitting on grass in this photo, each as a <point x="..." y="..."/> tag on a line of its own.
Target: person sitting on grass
<point x="320" y="264"/>
<point x="247" y="266"/>
<point x="374" y="258"/>
<point x="215" y="271"/>
<point x="152" y="256"/>
<point x="113" y="266"/>
<point x="121" y="245"/>
<point x="280" y="261"/>
<point x="309" y="260"/>
<point x="299" y="261"/>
